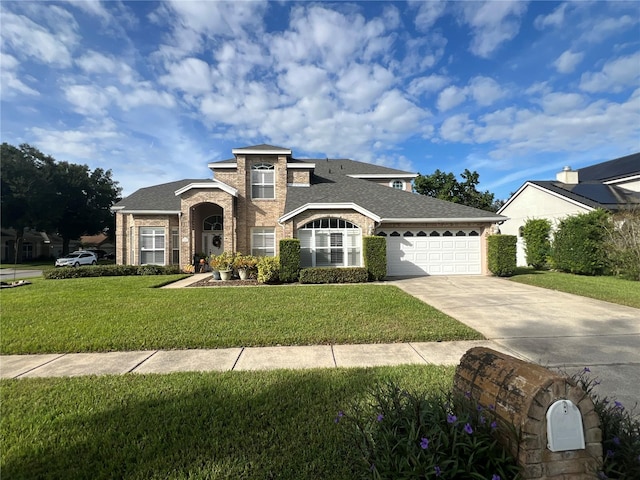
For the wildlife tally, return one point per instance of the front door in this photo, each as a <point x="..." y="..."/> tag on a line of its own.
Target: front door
<point x="213" y="242"/>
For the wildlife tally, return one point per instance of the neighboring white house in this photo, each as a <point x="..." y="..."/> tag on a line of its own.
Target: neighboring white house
<point x="613" y="185"/>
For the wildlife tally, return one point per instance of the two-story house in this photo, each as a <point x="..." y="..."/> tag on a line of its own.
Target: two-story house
<point x="264" y="194"/>
<point x="612" y="185"/>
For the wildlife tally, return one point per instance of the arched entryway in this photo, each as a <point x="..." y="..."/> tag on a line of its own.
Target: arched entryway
<point x="213" y="235"/>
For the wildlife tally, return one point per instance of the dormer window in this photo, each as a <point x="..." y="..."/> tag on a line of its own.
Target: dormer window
<point x="398" y="184"/>
<point x="263" y="181"/>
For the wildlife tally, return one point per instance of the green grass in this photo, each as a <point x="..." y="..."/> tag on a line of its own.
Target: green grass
<point x="126" y="313"/>
<point x="262" y="425"/>
<point x="609" y="289"/>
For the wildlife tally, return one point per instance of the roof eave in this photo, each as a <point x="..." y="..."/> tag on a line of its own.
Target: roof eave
<point x="499" y="218"/>
<point x="329" y="206"/>
<point x="214" y="184"/>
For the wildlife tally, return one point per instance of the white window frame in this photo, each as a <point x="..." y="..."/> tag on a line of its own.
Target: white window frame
<point x="263" y="241"/>
<point x="157" y="246"/>
<point x="263" y="175"/>
<point x="175" y="246"/>
<point x="402" y="183"/>
<point x="344" y="246"/>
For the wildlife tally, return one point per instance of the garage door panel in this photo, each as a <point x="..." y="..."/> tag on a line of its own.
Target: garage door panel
<point x="412" y="255"/>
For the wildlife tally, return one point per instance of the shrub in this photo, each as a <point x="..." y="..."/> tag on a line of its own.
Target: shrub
<point x="333" y="275"/>
<point x="536" y="232"/>
<point x="579" y="243"/>
<point x="620" y="432"/>
<point x="110" y="271"/>
<point x="375" y="257"/>
<point x="404" y="435"/>
<point x="623" y="244"/>
<point x="268" y="270"/>
<point x="502" y="254"/>
<point x="289" y="260"/>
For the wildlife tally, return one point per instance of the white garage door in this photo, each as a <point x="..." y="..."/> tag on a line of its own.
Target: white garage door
<point x="433" y="252"/>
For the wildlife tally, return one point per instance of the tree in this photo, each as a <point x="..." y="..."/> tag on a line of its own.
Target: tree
<point x="62" y="197"/>
<point x="445" y="186"/>
<point x="26" y="188"/>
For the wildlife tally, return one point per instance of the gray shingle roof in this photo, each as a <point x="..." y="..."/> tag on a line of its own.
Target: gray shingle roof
<point x="593" y="194"/>
<point x="158" y="197"/>
<point x="331" y="185"/>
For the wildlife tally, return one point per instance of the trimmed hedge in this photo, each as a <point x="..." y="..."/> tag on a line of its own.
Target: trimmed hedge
<point x="334" y="275"/>
<point x="501" y="252"/>
<point x="110" y="271"/>
<point x="375" y="257"/>
<point x="579" y="243"/>
<point x="537" y="246"/>
<point x="289" y="260"/>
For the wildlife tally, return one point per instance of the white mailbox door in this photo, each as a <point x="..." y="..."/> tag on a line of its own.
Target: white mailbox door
<point x="564" y="427"/>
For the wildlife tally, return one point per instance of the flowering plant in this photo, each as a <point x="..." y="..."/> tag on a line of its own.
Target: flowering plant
<point x="404" y="435"/>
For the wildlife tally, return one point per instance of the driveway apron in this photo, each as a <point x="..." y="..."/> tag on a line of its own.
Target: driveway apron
<point x="554" y="329"/>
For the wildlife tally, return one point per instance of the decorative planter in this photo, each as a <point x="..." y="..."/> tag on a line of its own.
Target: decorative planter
<point x="243" y="273"/>
<point x="216" y="275"/>
<point x="225" y="274"/>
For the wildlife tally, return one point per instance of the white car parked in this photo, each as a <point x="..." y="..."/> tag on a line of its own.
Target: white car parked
<point x="75" y="259"/>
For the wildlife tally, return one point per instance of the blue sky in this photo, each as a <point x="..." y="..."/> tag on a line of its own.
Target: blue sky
<point x="156" y="90"/>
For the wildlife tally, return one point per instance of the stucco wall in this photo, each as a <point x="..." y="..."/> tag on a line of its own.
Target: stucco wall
<point x="532" y="202"/>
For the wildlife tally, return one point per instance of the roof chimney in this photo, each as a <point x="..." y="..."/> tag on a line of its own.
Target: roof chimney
<point x="567" y="176"/>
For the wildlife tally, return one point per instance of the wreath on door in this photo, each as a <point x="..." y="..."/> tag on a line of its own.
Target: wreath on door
<point x="217" y="241"/>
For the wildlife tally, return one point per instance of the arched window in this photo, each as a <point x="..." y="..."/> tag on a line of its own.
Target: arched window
<point x="263" y="181"/>
<point x="214" y="222"/>
<point x="398" y="184"/>
<point x="330" y="242"/>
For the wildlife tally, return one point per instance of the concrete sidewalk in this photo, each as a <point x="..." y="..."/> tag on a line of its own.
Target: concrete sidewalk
<point x="237" y="359"/>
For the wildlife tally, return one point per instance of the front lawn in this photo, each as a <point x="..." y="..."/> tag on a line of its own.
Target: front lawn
<point x="126" y="313"/>
<point x="609" y="289"/>
<point x="276" y="424"/>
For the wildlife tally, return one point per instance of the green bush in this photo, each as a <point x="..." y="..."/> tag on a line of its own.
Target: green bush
<point x="268" y="270"/>
<point x="536" y="233"/>
<point x="110" y="271"/>
<point x="579" y="243"/>
<point x="623" y="244"/>
<point x="333" y="275"/>
<point x="375" y="257"/>
<point x="403" y="435"/>
<point x="289" y="260"/>
<point x="620" y="432"/>
<point x="501" y="253"/>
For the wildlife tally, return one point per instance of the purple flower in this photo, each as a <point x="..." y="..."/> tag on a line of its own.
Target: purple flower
<point x="379" y="417"/>
<point x="479" y="408"/>
<point x="616" y="440"/>
<point x="438" y="471"/>
<point x="602" y="475"/>
<point x="495" y="477"/>
<point x="451" y="418"/>
<point x="586" y="370"/>
<point x="619" y="405"/>
<point x="467" y="394"/>
<point x="340" y="415"/>
<point x="468" y="429"/>
<point x="494" y="425"/>
<point x="609" y="454"/>
<point x="424" y="443"/>
<point x="492" y="406"/>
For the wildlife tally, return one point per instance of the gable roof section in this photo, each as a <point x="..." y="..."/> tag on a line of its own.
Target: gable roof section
<point x="593" y="194"/>
<point x="611" y="170"/>
<point x="332" y="187"/>
<point x="158" y="198"/>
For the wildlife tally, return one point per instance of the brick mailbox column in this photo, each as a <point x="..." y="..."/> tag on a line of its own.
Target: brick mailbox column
<point x="522" y="393"/>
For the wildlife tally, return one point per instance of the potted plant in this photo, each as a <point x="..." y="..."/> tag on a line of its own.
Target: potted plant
<point x="225" y="265"/>
<point x="215" y="267"/>
<point x="244" y="264"/>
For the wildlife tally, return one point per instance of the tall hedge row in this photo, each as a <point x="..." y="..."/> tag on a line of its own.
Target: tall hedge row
<point x="536" y="233"/>
<point x="289" y="260"/>
<point x="375" y="257"/>
<point x="501" y="253"/>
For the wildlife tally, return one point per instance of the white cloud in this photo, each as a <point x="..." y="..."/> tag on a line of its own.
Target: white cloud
<point x="457" y="128"/>
<point x="450" y="97"/>
<point x="87" y="99"/>
<point x="427" y="13"/>
<point x="98" y="63"/>
<point x="485" y="91"/>
<point x="30" y="39"/>
<point x="10" y="84"/>
<point x="426" y="85"/>
<point x="492" y="23"/>
<point x="558" y="103"/>
<point x="190" y="75"/>
<point x="615" y="76"/>
<point x="599" y="28"/>
<point x="554" y="20"/>
<point x="568" y="61"/>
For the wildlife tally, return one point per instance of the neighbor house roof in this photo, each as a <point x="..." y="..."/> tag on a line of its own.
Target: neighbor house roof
<point x="332" y="183"/>
<point x="594" y="195"/>
<point x="622" y="167"/>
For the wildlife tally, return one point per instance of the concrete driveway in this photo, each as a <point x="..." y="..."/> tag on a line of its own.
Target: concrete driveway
<point x="551" y="328"/>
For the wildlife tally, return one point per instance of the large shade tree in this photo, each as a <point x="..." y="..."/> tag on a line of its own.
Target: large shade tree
<point x="60" y="197"/>
<point x="445" y="186"/>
